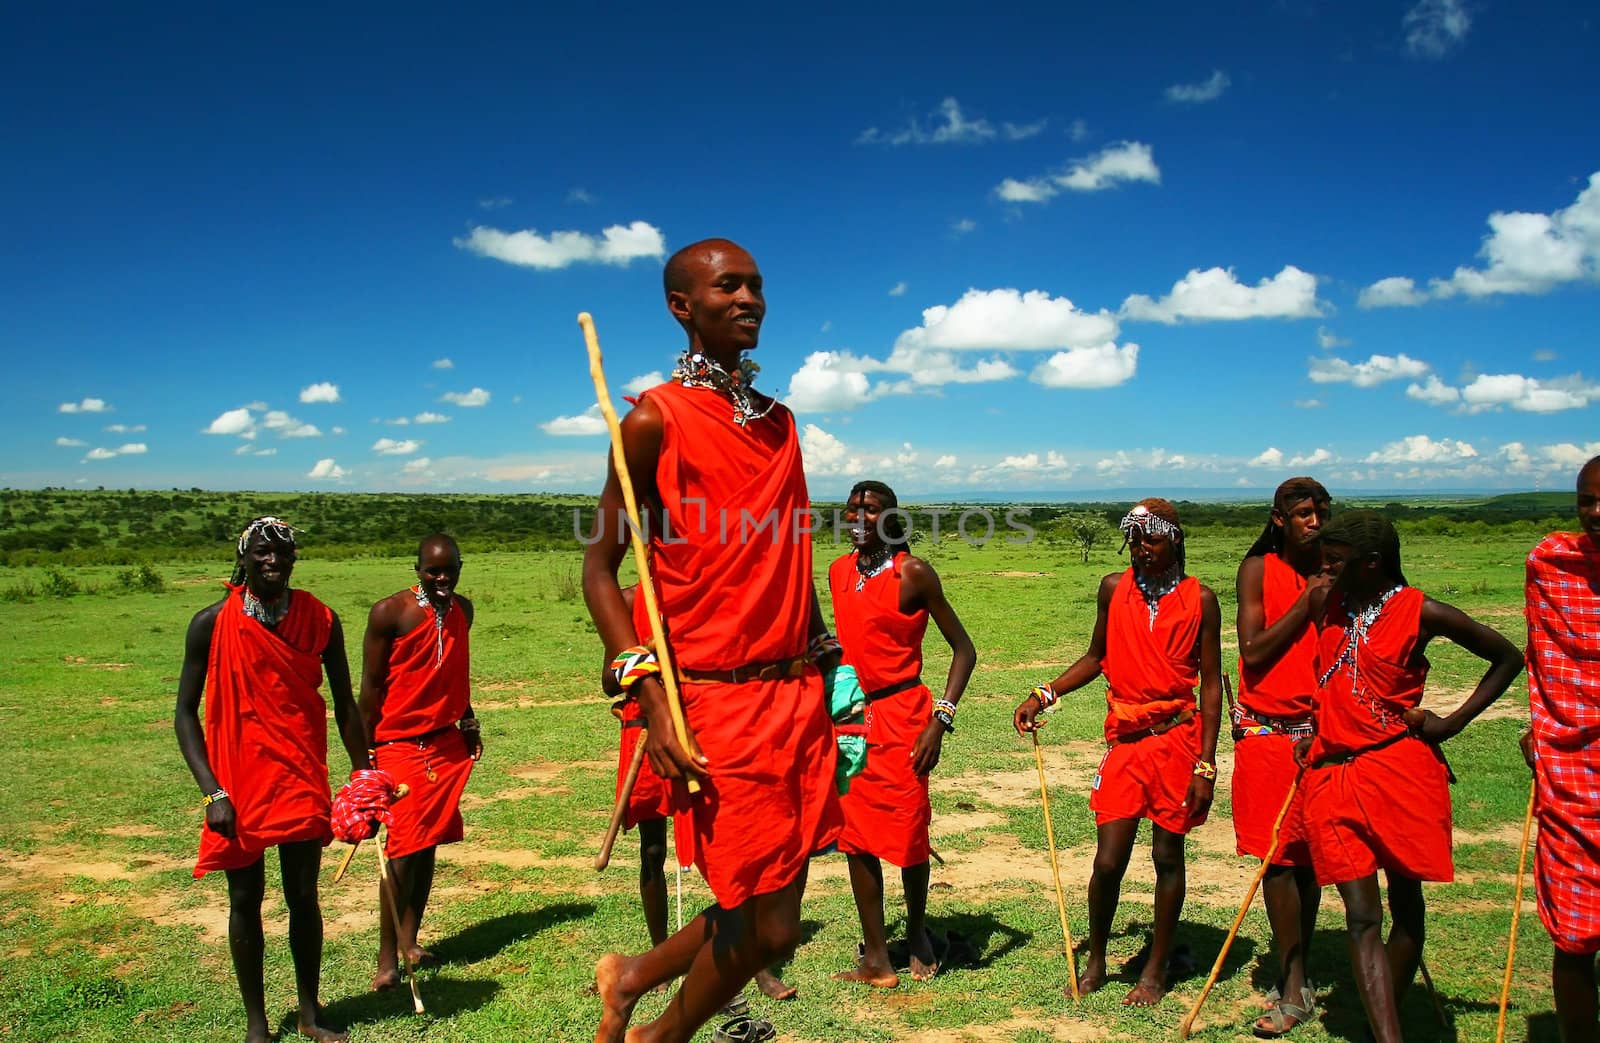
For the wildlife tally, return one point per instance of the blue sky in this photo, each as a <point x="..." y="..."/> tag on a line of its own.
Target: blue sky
<point x="1005" y="250"/>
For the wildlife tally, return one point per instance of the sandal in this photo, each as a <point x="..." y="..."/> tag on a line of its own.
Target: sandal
<point x="1283" y="1016"/>
<point x="744" y="1030"/>
<point x="738" y="1007"/>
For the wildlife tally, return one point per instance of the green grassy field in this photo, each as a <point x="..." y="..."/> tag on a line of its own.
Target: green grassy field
<point x="110" y="939"/>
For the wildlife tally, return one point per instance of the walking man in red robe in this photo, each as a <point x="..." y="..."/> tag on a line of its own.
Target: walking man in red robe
<point x="883" y="598"/>
<point x="1279" y="576"/>
<point x="258" y="657"/>
<point x="1563" y="746"/>
<point x="1156" y="636"/>
<point x="716" y="469"/>
<point x="416" y="704"/>
<point x="1374" y="741"/>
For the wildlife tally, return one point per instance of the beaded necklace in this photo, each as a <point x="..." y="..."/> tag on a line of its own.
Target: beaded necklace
<point x="1157" y="587"/>
<point x="694" y="370"/>
<point x="1349" y="653"/>
<point x="267" y="614"/>
<point x="426" y="605"/>
<point x="869" y="566"/>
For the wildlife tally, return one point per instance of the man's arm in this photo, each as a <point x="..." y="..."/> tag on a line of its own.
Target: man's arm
<point x="471" y="732"/>
<point x="1505" y="663"/>
<point x="376" y="644"/>
<point x="927" y="592"/>
<point x="345" y="713"/>
<point x="186" y="718"/>
<point x="1261" y="645"/>
<point x="1080" y="673"/>
<point x="1201" y="789"/>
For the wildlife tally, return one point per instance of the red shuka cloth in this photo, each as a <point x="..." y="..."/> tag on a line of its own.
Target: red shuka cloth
<point x="886" y="811"/>
<point x="1563" y="658"/>
<point x="424" y="697"/>
<point x="1263" y="765"/>
<point x="733" y="579"/>
<point x="266" y="730"/>
<point x="1355" y="822"/>
<point x="1151" y="668"/>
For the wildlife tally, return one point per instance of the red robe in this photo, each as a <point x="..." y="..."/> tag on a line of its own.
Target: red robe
<point x="266" y="730"/>
<point x="1263" y="765"/>
<point x="886" y="811"/>
<point x="427" y="692"/>
<point x="1387" y="806"/>
<point x="1563" y="613"/>
<point x="733" y="578"/>
<point x="1151" y="669"/>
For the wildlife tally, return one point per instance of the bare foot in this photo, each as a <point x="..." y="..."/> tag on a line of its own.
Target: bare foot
<point x="421" y="957"/>
<point x="257" y="1034"/>
<point x="312" y="1028"/>
<point x="387" y="978"/>
<point x="1092" y="978"/>
<point x="879" y="977"/>
<point x="773" y="987"/>
<point x="617" y="1001"/>
<point x="1146" y="993"/>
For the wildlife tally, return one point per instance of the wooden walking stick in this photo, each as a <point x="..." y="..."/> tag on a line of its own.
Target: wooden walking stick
<point x="1261" y="871"/>
<point x="344" y="863"/>
<point x="386" y="888"/>
<point x="1055" y="868"/>
<point x="1516" y="914"/>
<point x="641" y="557"/>
<point x="619" y="812"/>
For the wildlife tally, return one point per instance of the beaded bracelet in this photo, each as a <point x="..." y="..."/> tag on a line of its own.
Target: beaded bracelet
<point x="212" y="798"/>
<point x="1205" y="770"/>
<point x="944" y="711"/>
<point x="632" y="664"/>
<point x="1046" y="695"/>
<point x="822" y="646"/>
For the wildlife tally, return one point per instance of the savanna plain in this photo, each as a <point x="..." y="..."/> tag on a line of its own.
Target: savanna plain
<point x="108" y="938"/>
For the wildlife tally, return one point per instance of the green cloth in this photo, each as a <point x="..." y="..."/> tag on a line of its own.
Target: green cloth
<point x="847" y="704"/>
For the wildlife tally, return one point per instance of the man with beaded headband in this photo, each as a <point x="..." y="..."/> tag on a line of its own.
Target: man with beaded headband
<point x="883" y="598"/>
<point x="1281" y="573"/>
<point x="1374" y="741"/>
<point x="716" y="469"/>
<point x="1156" y="636"/>
<point x="416" y="705"/>
<point x="258" y="657"/>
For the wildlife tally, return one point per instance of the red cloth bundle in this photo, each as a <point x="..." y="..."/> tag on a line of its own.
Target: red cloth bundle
<point x="361" y="804"/>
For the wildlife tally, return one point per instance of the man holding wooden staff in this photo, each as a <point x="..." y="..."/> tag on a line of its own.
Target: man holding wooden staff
<point x="715" y="466"/>
<point x="258" y="657"/>
<point x="1156" y="636"/>
<point x="416" y="704"/>
<point x="1563" y="657"/>
<point x="1278" y="578"/>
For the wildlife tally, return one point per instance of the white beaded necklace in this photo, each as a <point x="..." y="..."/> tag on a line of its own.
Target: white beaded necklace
<point x="438" y="622"/>
<point x="695" y="370"/>
<point x="1355" y="634"/>
<point x="267" y="614"/>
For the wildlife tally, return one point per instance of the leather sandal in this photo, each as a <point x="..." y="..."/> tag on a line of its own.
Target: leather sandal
<point x="744" y="1030"/>
<point x="1283" y="1016"/>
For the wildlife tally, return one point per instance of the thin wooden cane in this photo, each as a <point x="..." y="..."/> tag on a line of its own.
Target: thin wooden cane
<point x="641" y="557"/>
<point x="620" y="811"/>
<point x="1055" y="868"/>
<point x="387" y="890"/>
<point x="1261" y="871"/>
<point x="1516" y="914"/>
<point x="1433" y="993"/>
<point x="344" y="863"/>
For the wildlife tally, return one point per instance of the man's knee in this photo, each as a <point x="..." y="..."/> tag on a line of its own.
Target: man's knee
<point x="653" y="857"/>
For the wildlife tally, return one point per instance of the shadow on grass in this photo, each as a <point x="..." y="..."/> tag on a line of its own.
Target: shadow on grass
<point x="1543" y="1028"/>
<point x="445" y="997"/>
<point x="1194" y="951"/>
<point x="485" y="939"/>
<point x="1344" y="1018"/>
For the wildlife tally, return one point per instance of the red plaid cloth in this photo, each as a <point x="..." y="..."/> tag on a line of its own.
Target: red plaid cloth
<point x="361" y="804"/>
<point x="1563" y="658"/>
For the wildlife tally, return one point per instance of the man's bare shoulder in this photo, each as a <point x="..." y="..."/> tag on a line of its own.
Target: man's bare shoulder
<point x="387" y="613"/>
<point x="1252" y="572"/>
<point x="206" y="618"/>
<point x="1108" y="583"/>
<point x="466" y="607"/>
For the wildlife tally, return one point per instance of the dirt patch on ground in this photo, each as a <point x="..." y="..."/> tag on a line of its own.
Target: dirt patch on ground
<point x="544" y="771"/>
<point x="1004" y="1031"/>
<point x="133" y="831"/>
<point x="1012" y="574"/>
<point x="1069" y="764"/>
<point x="78" y="660"/>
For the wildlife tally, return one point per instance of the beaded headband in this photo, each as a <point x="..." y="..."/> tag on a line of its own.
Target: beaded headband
<point x="1148" y="522"/>
<point x="272" y="528"/>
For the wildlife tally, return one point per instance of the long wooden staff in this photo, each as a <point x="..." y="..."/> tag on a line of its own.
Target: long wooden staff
<point x="344" y="863"/>
<point x="1516" y="914"/>
<point x="617" y="813"/>
<point x="641" y="557"/>
<point x="392" y="900"/>
<point x="1055" y="868"/>
<point x="1261" y="871"/>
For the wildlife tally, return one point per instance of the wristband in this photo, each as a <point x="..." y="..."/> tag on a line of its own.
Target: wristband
<point x="1205" y="770"/>
<point x="633" y="664"/>
<point x="1046" y="695"/>
<point x="822" y="646"/>
<point x="944" y="711"/>
<point x="212" y="798"/>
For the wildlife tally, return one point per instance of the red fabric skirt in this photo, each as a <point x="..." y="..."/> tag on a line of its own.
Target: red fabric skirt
<point x="1263" y="771"/>
<point x="770" y="801"/>
<point x="886" y="811"/>
<point x="1149" y="779"/>
<point x="431" y="813"/>
<point x="1388" y="809"/>
<point x="1567" y="867"/>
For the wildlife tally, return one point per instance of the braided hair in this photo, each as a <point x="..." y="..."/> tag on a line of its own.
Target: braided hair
<point x="1368" y="532"/>
<point x="1288" y="494"/>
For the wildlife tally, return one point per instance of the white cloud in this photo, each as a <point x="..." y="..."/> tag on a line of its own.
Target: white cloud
<point x="589" y="422"/>
<point x="898" y="289"/>
<point x="1105" y="365"/>
<point x="1490" y="391"/>
<point x="825" y="454"/>
<point x="1078" y="130"/>
<point x="99" y="454"/>
<point x="1314" y="458"/>
<point x="1434" y="28"/>
<point x="1420" y="449"/>
<point x="1434" y="391"/>
<point x="580" y="195"/>
<point x="88" y="405"/>
<point x="234" y="422"/>
<point x="1308" y="403"/>
<point x="417" y="466"/>
<point x="327" y="469"/>
<point x="963" y="226"/>
<point x="71" y="443"/>
<point x="934" y="368"/>
<point x="443" y="364"/>
<point x="643" y="382"/>
<point x="426" y="417"/>
<point x="1327" y="340"/>
<point x="1376" y="370"/>
<point x="393" y="447"/>
<point x="494" y="202"/>
<point x="287" y="426"/>
<point x="1123" y="161"/>
<point x="949" y="126"/>
<point x="1545" y="355"/>
<point x="1209" y="89"/>
<point x="128" y="449"/>
<point x="125" y="429"/>
<point x="1269" y="457"/>
<point x="467" y="399"/>
<point x="398" y="421"/>
<point x="1008" y="319"/>
<point x="246" y="449"/>
<point x="1524" y="253"/>
<point x="618" y="244"/>
<point x="1140" y="459"/>
<point x="337" y="430"/>
<point x="1215" y="294"/>
<point x="827" y="325"/>
<point x="322" y="392"/>
<point x="945" y="461"/>
<point x="829" y="381"/>
<point x="269" y="451"/>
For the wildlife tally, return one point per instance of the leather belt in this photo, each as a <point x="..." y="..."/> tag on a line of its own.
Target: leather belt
<point x="1260" y="724"/>
<point x="1181" y="717"/>
<point x="420" y="740"/>
<point x="894" y="689"/>
<point x="794" y="666"/>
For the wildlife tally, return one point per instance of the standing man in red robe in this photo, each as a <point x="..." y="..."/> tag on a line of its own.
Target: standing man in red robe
<point x="1563" y="747"/>
<point x="1156" y="636"/>
<point x="1374" y="741"/>
<point x="1279" y="576"/>
<point x="261" y="763"/>
<point x="883" y="598"/>
<point x="716" y="469"/>
<point x="416" y="703"/>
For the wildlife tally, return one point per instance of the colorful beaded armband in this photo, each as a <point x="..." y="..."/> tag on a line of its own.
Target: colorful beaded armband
<point x="944" y="711"/>
<point x="1205" y="770"/>
<point x="1046" y="695"/>
<point x="822" y="646"/>
<point x="633" y="664"/>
